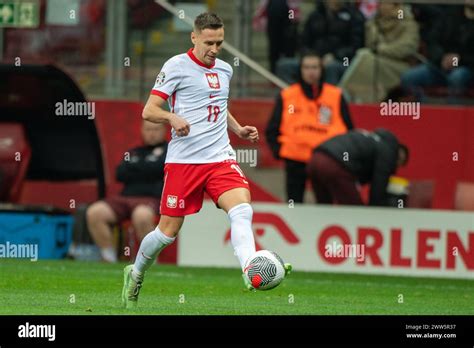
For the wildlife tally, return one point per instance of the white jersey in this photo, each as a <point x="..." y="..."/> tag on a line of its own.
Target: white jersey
<point x="198" y="94"/>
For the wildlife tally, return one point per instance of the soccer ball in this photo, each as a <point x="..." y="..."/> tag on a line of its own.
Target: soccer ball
<point x="265" y="270"/>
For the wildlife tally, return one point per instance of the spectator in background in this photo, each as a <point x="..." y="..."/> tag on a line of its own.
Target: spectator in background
<point x="368" y="8"/>
<point x="336" y="30"/>
<point x="142" y="175"/>
<point x="305" y="114"/>
<point x="430" y="22"/>
<point x="280" y="17"/>
<point x="450" y="52"/>
<point x="391" y="39"/>
<point x="341" y="163"/>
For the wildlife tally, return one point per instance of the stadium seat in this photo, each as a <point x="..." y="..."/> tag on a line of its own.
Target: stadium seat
<point x="420" y="194"/>
<point x="464" y="198"/>
<point x="29" y="95"/>
<point x="62" y="194"/>
<point x="15" y="154"/>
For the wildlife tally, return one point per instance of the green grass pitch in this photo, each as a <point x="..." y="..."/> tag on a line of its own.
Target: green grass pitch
<point x="85" y="288"/>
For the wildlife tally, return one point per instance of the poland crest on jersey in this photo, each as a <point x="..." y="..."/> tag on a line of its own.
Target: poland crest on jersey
<point x="171" y="201"/>
<point x="213" y="80"/>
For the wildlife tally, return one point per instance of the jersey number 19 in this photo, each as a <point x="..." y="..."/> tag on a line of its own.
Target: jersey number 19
<point x="213" y="110"/>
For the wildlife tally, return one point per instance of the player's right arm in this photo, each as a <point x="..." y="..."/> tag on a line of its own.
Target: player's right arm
<point x="154" y="112"/>
<point x="167" y="83"/>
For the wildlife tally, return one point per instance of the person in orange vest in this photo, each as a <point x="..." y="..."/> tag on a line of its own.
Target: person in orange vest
<point x="305" y="115"/>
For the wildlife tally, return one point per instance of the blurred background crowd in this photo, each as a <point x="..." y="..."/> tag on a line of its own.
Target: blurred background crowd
<point x="374" y="50"/>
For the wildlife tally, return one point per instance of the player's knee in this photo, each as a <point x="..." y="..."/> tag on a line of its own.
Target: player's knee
<point x="242" y="211"/>
<point x="234" y="197"/>
<point x="170" y="225"/>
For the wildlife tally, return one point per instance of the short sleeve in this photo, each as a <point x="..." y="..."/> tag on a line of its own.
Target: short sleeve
<point x="231" y="72"/>
<point x="168" y="79"/>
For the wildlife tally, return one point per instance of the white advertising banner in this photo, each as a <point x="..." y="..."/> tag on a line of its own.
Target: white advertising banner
<point x="341" y="239"/>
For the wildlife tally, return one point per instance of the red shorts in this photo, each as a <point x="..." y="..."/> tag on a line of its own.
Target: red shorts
<point x="185" y="184"/>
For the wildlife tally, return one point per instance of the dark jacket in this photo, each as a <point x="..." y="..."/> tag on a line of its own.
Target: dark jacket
<point x="370" y="156"/>
<point x="340" y="33"/>
<point x="430" y="22"/>
<point x="272" y="131"/>
<point x="142" y="173"/>
<point x="453" y="33"/>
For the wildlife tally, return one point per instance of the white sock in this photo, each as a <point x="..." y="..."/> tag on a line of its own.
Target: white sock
<point x="241" y="234"/>
<point x="109" y="254"/>
<point x="150" y="247"/>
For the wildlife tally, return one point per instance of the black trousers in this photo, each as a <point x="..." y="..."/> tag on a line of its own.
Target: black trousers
<point x="295" y="180"/>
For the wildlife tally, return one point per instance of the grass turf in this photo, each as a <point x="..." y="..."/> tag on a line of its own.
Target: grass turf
<point x="83" y="288"/>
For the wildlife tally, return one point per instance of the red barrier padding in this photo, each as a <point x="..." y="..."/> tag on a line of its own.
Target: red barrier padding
<point x="118" y="125"/>
<point x="441" y="141"/>
<point x="441" y="144"/>
<point x="66" y="195"/>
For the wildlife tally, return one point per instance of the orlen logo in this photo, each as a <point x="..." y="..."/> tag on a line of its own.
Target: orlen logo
<point x="273" y="221"/>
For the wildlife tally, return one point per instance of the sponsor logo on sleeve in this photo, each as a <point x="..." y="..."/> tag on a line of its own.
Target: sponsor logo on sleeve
<point x="160" y="78"/>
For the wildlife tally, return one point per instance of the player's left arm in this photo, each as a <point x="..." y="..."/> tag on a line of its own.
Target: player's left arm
<point x="245" y="132"/>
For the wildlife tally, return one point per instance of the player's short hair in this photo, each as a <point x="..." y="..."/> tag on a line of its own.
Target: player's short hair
<point x="207" y="20"/>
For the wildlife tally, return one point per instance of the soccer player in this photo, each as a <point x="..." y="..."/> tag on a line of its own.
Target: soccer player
<point x="199" y="158"/>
